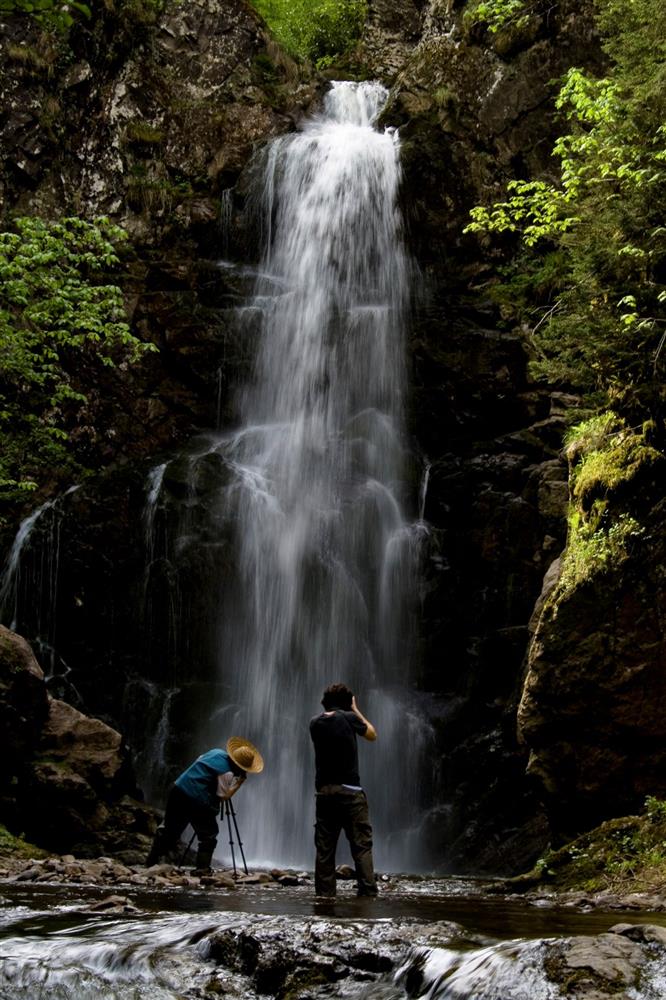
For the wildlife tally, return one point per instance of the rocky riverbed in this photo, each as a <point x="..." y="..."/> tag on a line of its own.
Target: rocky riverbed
<point x="75" y="929"/>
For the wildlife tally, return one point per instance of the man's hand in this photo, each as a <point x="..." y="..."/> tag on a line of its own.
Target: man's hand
<point x="370" y="731"/>
<point x="228" y="784"/>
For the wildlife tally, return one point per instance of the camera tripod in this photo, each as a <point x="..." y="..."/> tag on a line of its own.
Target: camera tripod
<point x="231" y="815"/>
<point x="228" y="809"/>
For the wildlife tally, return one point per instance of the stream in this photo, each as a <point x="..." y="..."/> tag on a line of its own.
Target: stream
<point x="420" y="938"/>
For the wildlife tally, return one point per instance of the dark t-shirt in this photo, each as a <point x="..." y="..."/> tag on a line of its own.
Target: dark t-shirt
<point x="336" y="753"/>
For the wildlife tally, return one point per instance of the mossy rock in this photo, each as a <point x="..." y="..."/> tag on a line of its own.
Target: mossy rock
<point x="16" y="847"/>
<point x="626" y="854"/>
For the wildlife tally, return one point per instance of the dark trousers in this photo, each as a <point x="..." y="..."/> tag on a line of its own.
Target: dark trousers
<point x="182" y="809"/>
<point x="346" y="811"/>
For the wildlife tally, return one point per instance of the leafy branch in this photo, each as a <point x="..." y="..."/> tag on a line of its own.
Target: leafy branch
<point x="58" y="311"/>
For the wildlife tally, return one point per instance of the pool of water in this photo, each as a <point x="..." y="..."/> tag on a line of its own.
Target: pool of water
<point x="460" y="901"/>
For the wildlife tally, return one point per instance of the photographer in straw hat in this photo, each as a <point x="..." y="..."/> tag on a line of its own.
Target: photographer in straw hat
<point x="198" y="793"/>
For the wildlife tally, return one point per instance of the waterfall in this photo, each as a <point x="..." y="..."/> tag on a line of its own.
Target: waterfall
<point x="325" y="553"/>
<point x="10" y="586"/>
<point x="29" y="582"/>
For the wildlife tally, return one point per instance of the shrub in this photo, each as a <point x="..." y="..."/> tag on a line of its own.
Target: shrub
<point x="314" y="29"/>
<point x="58" y="312"/>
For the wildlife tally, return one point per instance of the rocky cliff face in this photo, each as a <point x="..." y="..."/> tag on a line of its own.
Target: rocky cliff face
<point x="592" y="708"/>
<point x="155" y="124"/>
<point x="474" y="111"/>
<point x="65" y="783"/>
<point x="150" y="119"/>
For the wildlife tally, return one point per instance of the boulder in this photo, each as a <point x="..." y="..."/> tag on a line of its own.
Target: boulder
<point x="24" y="708"/>
<point x="593" y="706"/>
<point x="65" y="778"/>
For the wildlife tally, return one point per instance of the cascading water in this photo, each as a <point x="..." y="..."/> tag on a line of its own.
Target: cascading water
<point x="29" y="583"/>
<point x="302" y="545"/>
<point x="326" y="558"/>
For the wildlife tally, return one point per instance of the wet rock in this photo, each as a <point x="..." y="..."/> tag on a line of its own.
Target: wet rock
<point x="64" y="777"/>
<point x="643" y="933"/>
<point x="601" y="966"/>
<point x="288" y="880"/>
<point x="256" y="878"/>
<point x="28" y="875"/>
<point x="289" y="958"/>
<point x="220" y="881"/>
<point x="162" y="869"/>
<point x="114" y="904"/>
<point x="597" y="967"/>
<point x="345" y="872"/>
<point x="23" y="711"/>
<point x="601" y="643"/>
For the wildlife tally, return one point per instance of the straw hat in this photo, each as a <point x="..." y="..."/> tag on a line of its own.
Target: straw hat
<point x="245" y="754"/>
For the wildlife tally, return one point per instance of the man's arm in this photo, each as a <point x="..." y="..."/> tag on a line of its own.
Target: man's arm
<point x="228" y="784"/>
<point x="370" y="731"/>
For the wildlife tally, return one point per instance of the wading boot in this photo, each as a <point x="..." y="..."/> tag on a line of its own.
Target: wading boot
<point x="202" y="864"/>
<point x="157" y="850"/>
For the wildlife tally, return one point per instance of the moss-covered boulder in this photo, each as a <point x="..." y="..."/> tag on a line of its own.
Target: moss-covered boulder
<point x="593" y="708"/>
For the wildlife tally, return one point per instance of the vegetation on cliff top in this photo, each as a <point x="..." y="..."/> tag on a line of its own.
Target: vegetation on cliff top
<point x="498" y="14"/>
<point x="314" y="29"/>
<point x="56" y="18"/>
<point x="590" y="276"/>
<point x="62" y="319"/>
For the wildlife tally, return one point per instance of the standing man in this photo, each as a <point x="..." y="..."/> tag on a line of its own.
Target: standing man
<point x="340" y="802"/>
<point x="198" y="793"/>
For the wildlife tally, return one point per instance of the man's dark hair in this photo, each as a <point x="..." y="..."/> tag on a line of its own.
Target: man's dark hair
<point x="337" y="696"/>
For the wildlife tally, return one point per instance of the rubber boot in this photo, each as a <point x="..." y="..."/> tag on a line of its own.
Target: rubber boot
<point x="202" y="863"/>
<point x="157" y="850"/>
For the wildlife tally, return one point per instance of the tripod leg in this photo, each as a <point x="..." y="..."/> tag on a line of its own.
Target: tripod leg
<point x="231" y="839"/>
<point x="240" y="842"/>
<point x="182" y="860"/>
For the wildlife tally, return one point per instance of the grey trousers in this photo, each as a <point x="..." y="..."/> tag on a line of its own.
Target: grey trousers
<point x="346" y="811"/>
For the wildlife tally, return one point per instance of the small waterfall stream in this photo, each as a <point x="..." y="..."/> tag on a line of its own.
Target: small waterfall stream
<point x="29" y="582"/>
<point x="278" y="945"/>
<point x="326" y="555"/>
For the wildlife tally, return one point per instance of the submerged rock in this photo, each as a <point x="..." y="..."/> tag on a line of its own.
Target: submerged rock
<point x="629" y="961"/>
<point x="285" y="957"/>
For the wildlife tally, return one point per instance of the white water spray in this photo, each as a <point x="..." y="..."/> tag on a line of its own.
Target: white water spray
<point x="326" y="556"/>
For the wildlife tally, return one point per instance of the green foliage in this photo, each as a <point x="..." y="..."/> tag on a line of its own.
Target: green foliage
<point x="314" y="29"/>
<point x="11" y="846"/>
<point x="143" y="133"/>
<point x="600" y="327"/>
<point x="607" y="460"/>
<point x="53" y="15"/>
<point x="606" y="455"/>
<point x="655" y="809"/>
<point x="496" y="14"/>
<point x="58" y="312"/>
<point x="593" y="548"/>
<point x="56" y="17"/>
<point x="626" y="854"/>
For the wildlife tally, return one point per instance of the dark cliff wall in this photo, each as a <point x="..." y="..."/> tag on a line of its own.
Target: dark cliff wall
<point x="474" y="111"/>
<point x="150" y="119"/>
<point x="155" y="126"/>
